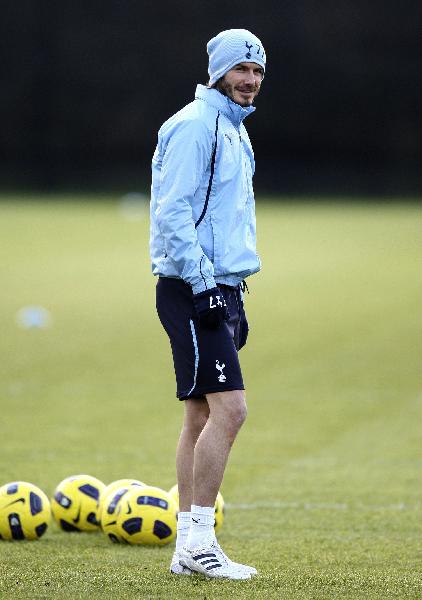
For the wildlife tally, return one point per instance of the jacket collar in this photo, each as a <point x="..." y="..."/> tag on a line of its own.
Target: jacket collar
<point x="233" y="111"/>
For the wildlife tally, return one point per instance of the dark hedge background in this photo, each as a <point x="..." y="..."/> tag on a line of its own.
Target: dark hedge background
<point x="86" y="85"/>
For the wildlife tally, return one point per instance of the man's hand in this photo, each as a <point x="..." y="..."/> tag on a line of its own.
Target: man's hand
<point x="211" y="308"/>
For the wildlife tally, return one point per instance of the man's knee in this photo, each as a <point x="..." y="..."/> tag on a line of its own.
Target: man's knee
<point x="229" y="408"/>
<point x="236" y="409"/>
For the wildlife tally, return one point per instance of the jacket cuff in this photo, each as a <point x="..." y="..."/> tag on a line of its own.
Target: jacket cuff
<point x="202" y="285"/>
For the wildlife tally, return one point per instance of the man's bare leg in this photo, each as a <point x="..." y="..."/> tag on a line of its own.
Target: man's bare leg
<point x="227" y="412"/>
<point x="195" y="419"/>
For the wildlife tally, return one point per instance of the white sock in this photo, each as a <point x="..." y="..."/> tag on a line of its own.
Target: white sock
<point x="183" y="526"/>
<point x="201" y="532"/>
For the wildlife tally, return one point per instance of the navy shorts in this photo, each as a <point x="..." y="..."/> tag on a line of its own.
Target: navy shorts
<point x="205" y="360"/>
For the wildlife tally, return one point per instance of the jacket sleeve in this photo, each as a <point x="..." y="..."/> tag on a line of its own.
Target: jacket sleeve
<point x="186" y="155"/>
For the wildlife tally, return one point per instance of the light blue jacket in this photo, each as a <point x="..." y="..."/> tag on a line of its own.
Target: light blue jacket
<point x="203" y="226"/>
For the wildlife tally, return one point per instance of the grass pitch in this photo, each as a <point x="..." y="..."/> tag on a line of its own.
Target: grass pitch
<point x="324" y="485"/>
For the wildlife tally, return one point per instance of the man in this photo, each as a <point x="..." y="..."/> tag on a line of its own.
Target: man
<point x="202" y="248"/>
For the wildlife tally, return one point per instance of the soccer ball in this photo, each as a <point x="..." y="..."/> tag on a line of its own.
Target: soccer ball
<point x="109" y="491"/>
<point x="219" y="507"/>
<point x="147" y="516"/>
<point x="24" y="511"/>
<point x="109" y="507"/>
<point x="116" y="485"/>
<point x="75" y="504"/>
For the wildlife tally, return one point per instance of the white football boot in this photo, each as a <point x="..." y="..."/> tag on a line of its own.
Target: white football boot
<point x="212" y="562"/>
<point x="177" y="569"/>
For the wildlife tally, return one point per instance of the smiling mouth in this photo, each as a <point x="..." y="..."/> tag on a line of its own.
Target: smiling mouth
<point x="247" y="93"/>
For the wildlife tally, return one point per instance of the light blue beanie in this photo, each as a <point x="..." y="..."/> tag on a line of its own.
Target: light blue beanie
<point x="230" y="48"/>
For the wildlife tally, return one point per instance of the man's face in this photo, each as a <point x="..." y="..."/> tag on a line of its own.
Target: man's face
<point x="242" y="83"/>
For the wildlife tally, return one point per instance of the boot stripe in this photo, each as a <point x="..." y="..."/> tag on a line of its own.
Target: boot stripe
<point x="208" y="555"/>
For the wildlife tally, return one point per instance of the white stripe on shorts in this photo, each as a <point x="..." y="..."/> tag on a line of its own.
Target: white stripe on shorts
<point x="195" y="345"/>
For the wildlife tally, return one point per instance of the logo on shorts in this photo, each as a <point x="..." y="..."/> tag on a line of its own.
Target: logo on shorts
<point x="218" y="301"/>
<point x="221" y="377"/>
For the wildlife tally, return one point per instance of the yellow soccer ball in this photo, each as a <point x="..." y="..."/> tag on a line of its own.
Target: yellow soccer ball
<point x="219" y="507"/>
<point x="76" y="503"/>
<point x="113" y="487"/>
<point x="146" y="516"/>
<point x="110" y="508"/>
<point x="24" y="511"/>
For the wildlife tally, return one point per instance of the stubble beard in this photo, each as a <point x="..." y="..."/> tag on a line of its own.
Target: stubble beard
<point x="228" y="90"/>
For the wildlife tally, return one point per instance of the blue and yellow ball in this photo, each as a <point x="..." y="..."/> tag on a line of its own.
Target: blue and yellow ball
<point x="24" y="511"/>
<point x="146" y="516"/>
<point x="110" y="507"/>
<point x="76" y="503"/>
